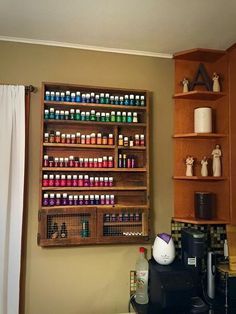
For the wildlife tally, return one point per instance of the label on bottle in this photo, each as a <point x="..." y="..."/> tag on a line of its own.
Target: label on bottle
<point x="142" y="278"/>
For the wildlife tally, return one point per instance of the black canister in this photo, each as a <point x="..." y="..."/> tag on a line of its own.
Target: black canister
<point x="203" y="205"/>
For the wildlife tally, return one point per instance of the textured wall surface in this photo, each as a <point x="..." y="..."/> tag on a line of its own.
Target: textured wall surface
<point x="92" y="279"/>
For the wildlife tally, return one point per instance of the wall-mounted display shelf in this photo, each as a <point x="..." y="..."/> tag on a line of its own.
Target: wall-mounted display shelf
<point x="188" y="143"/>
<point x="94" y="186"/>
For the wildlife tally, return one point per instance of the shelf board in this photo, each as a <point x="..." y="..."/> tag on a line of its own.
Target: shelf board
<point x="193" y="220"/>
<point x="120" y="206"/>
<point x="132" y="147"/>
<point x="90" y="146"/>
<point x="199" y="135"/>
<point x="200" y="95"/>
<point x="52" y="121"/>
<point x="72" y="241"/>
<point x="95" y="169"/>
<point x="117" y="223"/>
<point x="93" y="106"/>
<point x="200" y="54"/>
<point x="200" y="178"/>
<point x="99" y="188"/>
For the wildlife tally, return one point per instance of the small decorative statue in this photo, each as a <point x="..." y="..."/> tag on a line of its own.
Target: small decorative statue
<point x="189" y="163"/>
<point x="185" y="83"/>
<point x="204" y="170"/>
<point x="216" y="165"/>
<point x="216" y="84"/>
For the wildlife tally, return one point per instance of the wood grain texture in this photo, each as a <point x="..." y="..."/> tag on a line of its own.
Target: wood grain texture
<point x="186" y="142"/>
<point x="131" y="185"/>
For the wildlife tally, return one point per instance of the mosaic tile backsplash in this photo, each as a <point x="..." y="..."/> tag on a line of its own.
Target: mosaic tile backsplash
<point x="215" y="236"/>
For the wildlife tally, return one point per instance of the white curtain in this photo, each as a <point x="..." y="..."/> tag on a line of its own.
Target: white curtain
<point x="12" y="163"/>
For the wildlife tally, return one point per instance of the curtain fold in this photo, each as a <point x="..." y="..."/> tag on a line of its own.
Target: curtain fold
<point x="12" y="163"/>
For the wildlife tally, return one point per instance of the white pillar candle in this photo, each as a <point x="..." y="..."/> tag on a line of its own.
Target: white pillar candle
<point x="203" y="120"/>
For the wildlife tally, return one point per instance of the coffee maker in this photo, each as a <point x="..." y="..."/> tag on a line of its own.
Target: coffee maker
<point x="193" y="249"/>
<point x="178" y="285"/>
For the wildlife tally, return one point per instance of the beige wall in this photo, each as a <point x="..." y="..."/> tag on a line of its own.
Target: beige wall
<point x="92" y="279"/>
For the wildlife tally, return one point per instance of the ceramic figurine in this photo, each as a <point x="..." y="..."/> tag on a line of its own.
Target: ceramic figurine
<point x="185" y="83"/>
<point x="216" y="84"/>
<point x="216" y="165"/>
<point x="189" y="166"/>
<point x="204" y="170"/>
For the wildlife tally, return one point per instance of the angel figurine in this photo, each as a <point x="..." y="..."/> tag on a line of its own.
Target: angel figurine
<point x="216" y="84"/>
<point x="189" y="166"/>
<point x="185" y="83"/>
<point x="204" y="170"/>
<point x="216" y="165"/>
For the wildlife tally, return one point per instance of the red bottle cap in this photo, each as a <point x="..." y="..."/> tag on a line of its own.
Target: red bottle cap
<point x="141" y="249"/>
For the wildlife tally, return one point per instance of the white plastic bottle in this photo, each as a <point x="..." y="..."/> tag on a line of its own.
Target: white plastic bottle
<point x="141" y="296"/>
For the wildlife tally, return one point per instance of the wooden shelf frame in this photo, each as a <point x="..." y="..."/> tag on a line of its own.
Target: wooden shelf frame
<point x="65" y="122"/>
<point x="197" y="178"/>
<point x="199" y="135"/>
<point x="192" y="220"/>
<point x="200" y="144"/>
<point x="87" y="146"/>
<point x="200" y="54"/>
<point x="123" y="189"/>
<point x="199" y="95"/>
<point x="65" y="169"/>
<point x="87" y="207"/>
<point x="80" y="105"/>
<point x="94" y="188"/>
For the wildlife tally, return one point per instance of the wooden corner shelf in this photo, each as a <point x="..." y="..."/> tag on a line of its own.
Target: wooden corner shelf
<point x="197" y="178"/>
<point x="195" y="221"/>
<point x="199" y="95"/>
<point x="199" y="135"/>
<point x="200" y="54"/>
<point x="198" y="145"/>
<point x="127" y="221"/>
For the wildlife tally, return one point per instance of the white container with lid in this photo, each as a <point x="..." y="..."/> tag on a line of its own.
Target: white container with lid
<point x="203" y="120"/>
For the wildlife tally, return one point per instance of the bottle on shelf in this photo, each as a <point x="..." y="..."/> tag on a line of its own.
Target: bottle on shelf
<point x="141" y="296"/>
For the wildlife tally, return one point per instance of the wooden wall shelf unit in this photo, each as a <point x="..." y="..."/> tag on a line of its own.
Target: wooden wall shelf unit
<point x="88" y="194"/>
<point x="186" y="142"/>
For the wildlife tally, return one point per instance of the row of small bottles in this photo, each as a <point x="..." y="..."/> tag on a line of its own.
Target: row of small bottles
<point x="92" y="115"/>
<point x="130" y="141"/>
<point x="98" y="98"/>
<point x="65" y="199"/>
<point x="125" y="161"/>
<point x="58" y="180"/>
<point x="54" y="232"/>
<point x="93" y="139"/>
<point x="89" y="139"/>
<point x="122" y="217"/>
<point x="77" y="162"/>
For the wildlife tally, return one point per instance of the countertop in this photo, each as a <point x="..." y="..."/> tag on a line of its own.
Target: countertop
<point x="150" y="309"/>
